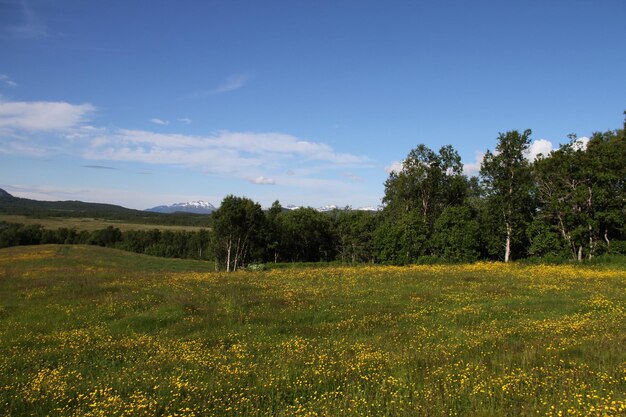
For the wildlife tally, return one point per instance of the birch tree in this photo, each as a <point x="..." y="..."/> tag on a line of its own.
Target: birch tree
<point x="237" y="227"/>
<point x="507" y="181"/>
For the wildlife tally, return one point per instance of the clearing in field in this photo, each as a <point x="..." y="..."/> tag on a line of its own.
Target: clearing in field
<point x="92" y="331"/>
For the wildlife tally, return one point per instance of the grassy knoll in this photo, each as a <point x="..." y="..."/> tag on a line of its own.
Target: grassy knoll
<point x="90" y="224"/>
<point x="92" y="331"/>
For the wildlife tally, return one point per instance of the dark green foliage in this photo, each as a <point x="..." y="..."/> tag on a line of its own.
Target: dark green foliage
<point x="307" y="236"/>
<point x="544" y="240"/>
<point x="582" y="193"/>
<point x="415" y="198"/>
<point x="403" y="240"/>
<point x="354" y="234"/>
<point x="238" y="227"/>
<point x="457" y="235"/>
<point x="179" y="244"/>
<point x="507" y="183"/>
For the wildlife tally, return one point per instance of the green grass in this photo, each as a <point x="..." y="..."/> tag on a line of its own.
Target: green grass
<point x="89" y="224"/>
<point x="94" y="331"/>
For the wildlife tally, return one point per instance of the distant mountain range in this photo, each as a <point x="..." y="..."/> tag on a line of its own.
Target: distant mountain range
<point x="330" y="207"/>
<point x="15" y="205"/>
<point x="197" y="207"/>
<point x="78" y="209"/>
<point x="204" y="207"/>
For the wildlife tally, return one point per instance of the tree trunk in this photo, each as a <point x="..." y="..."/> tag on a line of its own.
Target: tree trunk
<point x="606" y="238"/>
<point x="566" y="235"/>
<point x="589" y="208"/>
<point x="237" y="249"/>
<point x="230" y="244"/>
<point x="507" y="251"/>
<point x="580" y="253"/>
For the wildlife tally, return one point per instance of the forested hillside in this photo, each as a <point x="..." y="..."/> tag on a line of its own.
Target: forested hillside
<point x="44" y="209"/>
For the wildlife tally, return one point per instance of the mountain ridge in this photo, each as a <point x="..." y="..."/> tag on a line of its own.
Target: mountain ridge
<point x="196" y="207"/>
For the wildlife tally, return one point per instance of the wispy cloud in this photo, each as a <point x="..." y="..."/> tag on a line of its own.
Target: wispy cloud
<point x="250" y="148"/>
<point x="30" y="25"/>
<point x="99" y="167"/>
<point x="233" y="82"/>
<point x="353" y="177"/>
<point x="42" y="115"/>
<point x="261" y="180"/>
<point x="36" y="192"/>
<point x="7" y="81"/>
<point x="157" y="121"/>
<point x="184" y="120"/>
<point x="46" y="129"/>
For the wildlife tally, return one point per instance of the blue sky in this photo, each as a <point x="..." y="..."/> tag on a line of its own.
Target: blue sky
<point x="142" y="103"/>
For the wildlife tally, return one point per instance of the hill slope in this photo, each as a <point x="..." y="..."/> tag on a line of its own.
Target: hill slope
<point x="36" y="208"/>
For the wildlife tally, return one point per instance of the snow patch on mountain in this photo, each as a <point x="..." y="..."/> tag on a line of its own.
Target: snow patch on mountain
<point x="327" y="207"/>
<point x="368" y="208"/>
<point x="197" y="207"/>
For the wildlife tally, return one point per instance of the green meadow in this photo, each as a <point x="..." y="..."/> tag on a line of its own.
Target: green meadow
<point x="90" y="224"/>
<point x="93" y="331"/>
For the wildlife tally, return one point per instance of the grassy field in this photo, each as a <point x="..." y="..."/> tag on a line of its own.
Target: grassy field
<point x="89" y="224"/>
<point x="93" y="331"/>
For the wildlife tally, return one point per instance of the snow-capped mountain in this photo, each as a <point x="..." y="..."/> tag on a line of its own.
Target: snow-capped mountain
<point x="327" y="207"/>
<point x="198" y="207"/>
<point x="330" y="207"/>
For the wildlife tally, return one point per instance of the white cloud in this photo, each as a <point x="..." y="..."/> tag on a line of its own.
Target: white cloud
<point x="184" y="120"/>
<point x="473" y="168"/>
<point x="581" y="143"/>
<point x="539" y="146"/>
<point x="261" y="180"/>
<point x="145" y="146"/>
<point x="39" y="129"/>
<point x="42" y="115"/>
<point x="157" y="121"/>
<point x="233" y="82"/>
<point x="395" y="166"/>
<point x="6" y="80"/>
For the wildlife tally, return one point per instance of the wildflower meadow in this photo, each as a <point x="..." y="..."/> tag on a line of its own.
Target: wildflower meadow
<point x="89" y="331"/>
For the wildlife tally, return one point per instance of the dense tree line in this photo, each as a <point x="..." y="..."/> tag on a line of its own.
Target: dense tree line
<point x="570" y="204"/>
<point x="170" y="244"/>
